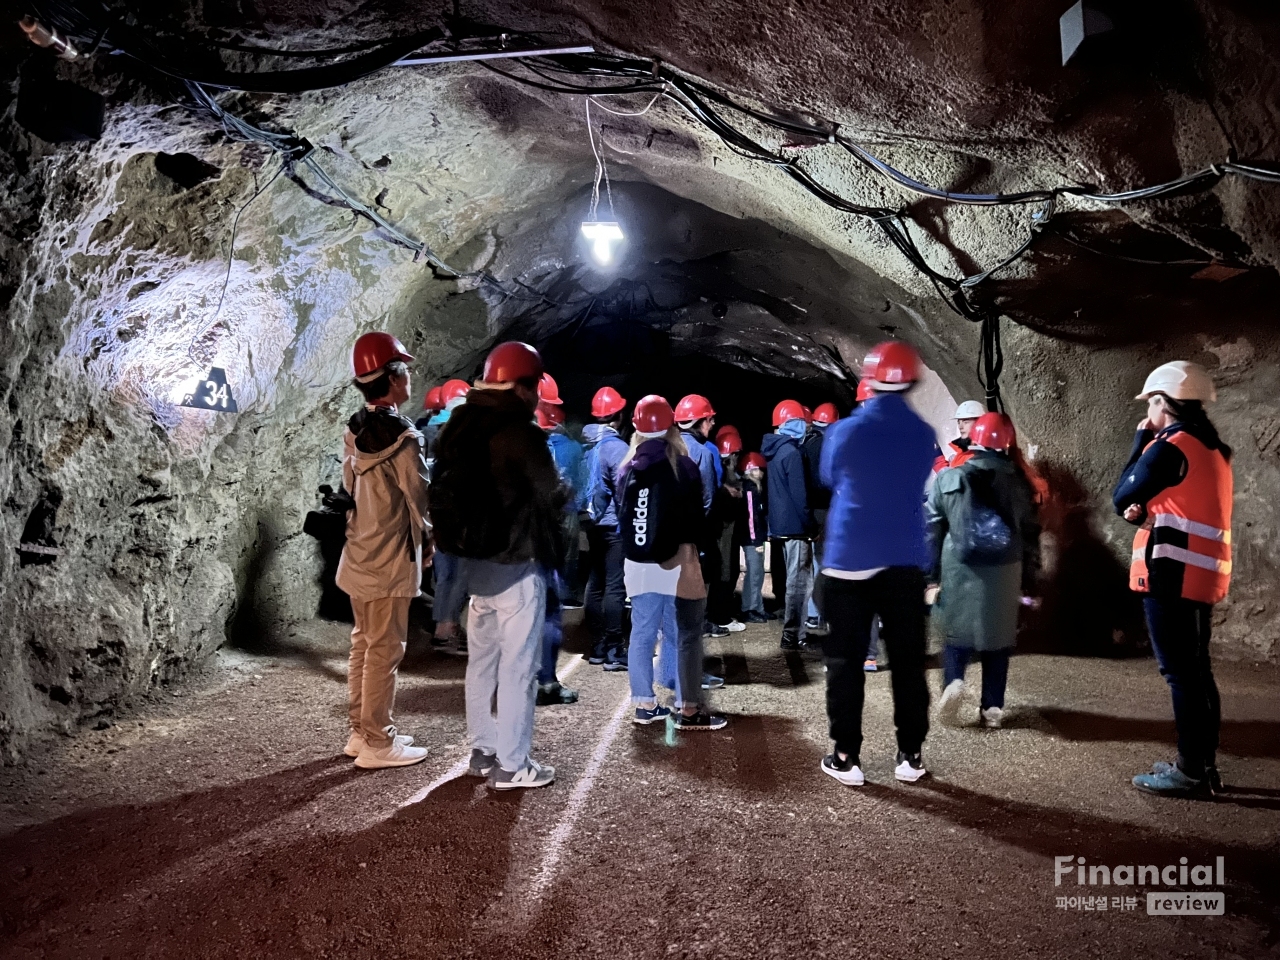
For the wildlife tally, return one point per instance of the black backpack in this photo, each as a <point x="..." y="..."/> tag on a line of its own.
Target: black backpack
<point x="986" y="535"/>
<point x="649" y="514"/>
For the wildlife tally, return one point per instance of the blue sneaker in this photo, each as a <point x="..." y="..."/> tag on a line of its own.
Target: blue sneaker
<point x="1210" y="774"/>
<point x="1168" y="781"/>
<point x="645" y="717"/>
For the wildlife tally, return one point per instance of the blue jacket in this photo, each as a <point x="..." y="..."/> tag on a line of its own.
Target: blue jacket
<point x="789" y="512"/>
<point x="706" y="459"/>
<point x="876" y="464"/>
<point x="567" y="454"/>
<point x="604" y="451"/>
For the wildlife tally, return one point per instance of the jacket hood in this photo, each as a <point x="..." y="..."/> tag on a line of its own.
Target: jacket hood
<point x="376" y="431"/>
<point x="593" y="433"/>
<point x="649" y="453"/>
<point x="773" y="442"/>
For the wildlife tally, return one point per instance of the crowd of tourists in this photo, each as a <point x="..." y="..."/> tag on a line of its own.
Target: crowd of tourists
<point x="867" y="530"/>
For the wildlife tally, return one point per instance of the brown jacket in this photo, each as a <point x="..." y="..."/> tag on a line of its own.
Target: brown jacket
<point x="383" y="470"/>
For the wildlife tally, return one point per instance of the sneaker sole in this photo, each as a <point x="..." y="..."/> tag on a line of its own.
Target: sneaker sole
<point x="507" y="785"/>
<point x="701" y="727"/>
<point x="644" y="723"/>
<point x="387" y="765"/>
<point x="911" y="777"/>
<point x="841" y="777"/>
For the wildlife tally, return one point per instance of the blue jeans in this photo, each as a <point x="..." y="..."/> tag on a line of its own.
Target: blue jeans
<point x="753" y="580"/>
<point x="681" y="620"/>
<point x="552" y="629"/>
<point x="813" y="611"/>
<point x="995" y="671"/>
<point x="505" y="640"/>
<point x="1180" y="638"/>
<point x="799" y="554"/>
<point x="451" y="591"/>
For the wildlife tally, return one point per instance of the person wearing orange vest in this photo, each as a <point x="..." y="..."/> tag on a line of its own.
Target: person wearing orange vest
<point x="1178" y="486"/>
<point x="967" y="415"/>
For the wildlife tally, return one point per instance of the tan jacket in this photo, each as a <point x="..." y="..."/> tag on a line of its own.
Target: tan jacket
<point x="388" y="526"/>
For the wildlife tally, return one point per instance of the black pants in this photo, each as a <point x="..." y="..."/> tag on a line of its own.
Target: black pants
<point x="1180" y="637"/>
<point x="721" y="575"/>
<point x="606" y="590"/>
<point x="896" y="595"/>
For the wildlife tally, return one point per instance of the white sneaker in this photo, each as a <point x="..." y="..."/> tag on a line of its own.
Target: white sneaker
<point x="950" y="703"/>
<point x="396" y="755"/>
<point x="991" y="718"/>
<point x="356" y="743"/>
<point x="846" y="771"/>
<point x="910" y="767"/>
<point x="736" y="626"/>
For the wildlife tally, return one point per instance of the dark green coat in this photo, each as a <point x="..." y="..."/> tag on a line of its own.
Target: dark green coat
<point x="977" y="607"/>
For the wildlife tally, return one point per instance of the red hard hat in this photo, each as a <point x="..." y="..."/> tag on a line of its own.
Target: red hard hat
<point x="373" y="351"/>
<point x="693" y="407"/>
<point x="727" y="429"/>
<point x="808" y="415"/>
<point x="756" y="460"/>
<point x="549" y="415"/>
<point x="893" y="365"/>
<point x="787" y="410"/>
<point x="512" y="361"/>
<point x="864" y="390"/>
<point x="432" y="401"/>
<point x="549" y="390"/>
<point x="452" y="390"/>
<point x="607" y="402"/>
<point x="993" y="431"/>
<point x="653" y="415"/>
<point x="728" y="442"/>
<point x="826" y="413"/>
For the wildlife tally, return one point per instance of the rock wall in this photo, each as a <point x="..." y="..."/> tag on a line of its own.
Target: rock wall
<point x="179" y="530"/>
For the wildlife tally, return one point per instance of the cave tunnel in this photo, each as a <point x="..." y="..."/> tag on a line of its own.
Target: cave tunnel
<point x="206" y="204"/>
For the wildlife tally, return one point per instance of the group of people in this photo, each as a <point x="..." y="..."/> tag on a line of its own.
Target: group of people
<point x="875" y="528"/>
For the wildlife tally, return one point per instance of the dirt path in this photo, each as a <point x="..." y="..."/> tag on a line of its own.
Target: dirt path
<point x="226" y="824"/>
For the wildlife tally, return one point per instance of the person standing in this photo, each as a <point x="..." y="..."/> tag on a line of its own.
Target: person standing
<point x="450" y="597"/>
<point x="790" y="517"/>
<point x="726" y="509"/>
<point x="387" y="544"/>
<point x="985" y="540"/>
<point x="496" y="504"/>
<point x="824" y="415"/>
<point x="957" y="451"/>
<point x="606" y="587"/>
<point x="697" y="419"/>
<point x="876" y="464"/>
<point x="566" y="454"/>
<point x="753" y="526"/>
<point x="659" y="499"/>
<point x="1178" y="487"/>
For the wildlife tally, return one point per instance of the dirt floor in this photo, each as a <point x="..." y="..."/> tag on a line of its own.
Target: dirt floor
<point x="225" y="823"/>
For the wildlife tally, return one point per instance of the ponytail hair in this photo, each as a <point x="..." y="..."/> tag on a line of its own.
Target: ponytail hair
<point x="676" y="448"/>
<point x="1192" y="416"/>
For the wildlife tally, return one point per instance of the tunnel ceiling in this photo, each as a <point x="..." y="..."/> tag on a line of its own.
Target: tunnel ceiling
<point x="180" y="528"/>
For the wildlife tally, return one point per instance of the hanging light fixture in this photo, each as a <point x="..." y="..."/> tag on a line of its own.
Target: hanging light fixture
<point x="603" y="235"/>
<point x="212" y="393"/>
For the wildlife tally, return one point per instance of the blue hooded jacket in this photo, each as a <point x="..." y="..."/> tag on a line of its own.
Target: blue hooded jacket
<point x="567" y="454"/>
<point x="707" y="460"/>
<point x="876" y="464"/>
<point x="604" y="451"/>
<point x="789" y="512"/>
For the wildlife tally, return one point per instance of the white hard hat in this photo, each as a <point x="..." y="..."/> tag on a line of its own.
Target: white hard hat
<point x="1181" y="380"/>
<point x="970" y="410"/>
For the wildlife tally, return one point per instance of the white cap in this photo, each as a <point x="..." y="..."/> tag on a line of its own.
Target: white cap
<point x="1181" y="380"/>
<point x="970" y="410"/>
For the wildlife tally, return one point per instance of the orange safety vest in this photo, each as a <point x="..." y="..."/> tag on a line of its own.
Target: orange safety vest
<point x="957" y="458"/>
<point x="1187" y="533"/>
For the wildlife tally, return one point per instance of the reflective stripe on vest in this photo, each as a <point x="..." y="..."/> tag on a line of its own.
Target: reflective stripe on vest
<point x="1189" y="524"/>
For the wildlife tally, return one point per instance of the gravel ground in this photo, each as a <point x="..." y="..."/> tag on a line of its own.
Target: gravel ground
<point x="225" y="823"/>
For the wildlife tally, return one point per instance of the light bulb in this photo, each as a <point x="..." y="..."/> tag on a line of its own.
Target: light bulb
<point x="603" y="234"/>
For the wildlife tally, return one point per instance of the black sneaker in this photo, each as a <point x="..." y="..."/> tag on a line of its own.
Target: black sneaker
<point x="910" y="767"/>
<point x="710" y="629"/>
<point x="700" y="721"/>
<point x="789" y="643"/>
<point x="597" y="657"/>
<point x="550" y="694"/>
<point x="810" y="648"/>
<point x="461" y="648"/>
<point x="813" y="623"/>
<point x="752" y="617"/>
<point x="615" y="662"/>
<point x="847" y="771"/>
<point x="439" y="643"/>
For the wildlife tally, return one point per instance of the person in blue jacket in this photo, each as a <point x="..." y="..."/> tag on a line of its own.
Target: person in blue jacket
<point x="697" y="420"/>
<point x="791" y="518"/>
<point x="876" y="464"/>
<point x="606" y="586"/>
